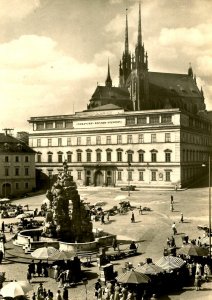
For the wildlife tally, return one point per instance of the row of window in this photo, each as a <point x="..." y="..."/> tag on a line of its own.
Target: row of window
<point x="17" y="185"/>
<point x="141" y="176"/>
<point x="153" y="119"/>
<point x="196" y="139"/>
<point x="56" y="124"/>
<point x="16" y="159"/>
<point x="15" y="171"/>
<point x="194" y="122"/>
<point x="99" y="140"/>
<point x="98" y="156"/>
<point x="130" y="120"/>
<point x="192" y="155"/>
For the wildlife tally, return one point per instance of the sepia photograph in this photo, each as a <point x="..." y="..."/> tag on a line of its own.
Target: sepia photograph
<point x="105" y="149"/>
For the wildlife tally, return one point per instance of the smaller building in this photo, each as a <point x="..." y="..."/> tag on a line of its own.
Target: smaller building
<point x="17" y="167"/>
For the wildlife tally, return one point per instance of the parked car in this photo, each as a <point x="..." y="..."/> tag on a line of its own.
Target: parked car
<point x="128" y="188"/>
<point x="29" y="213"/>
<point x="11" y="213"/>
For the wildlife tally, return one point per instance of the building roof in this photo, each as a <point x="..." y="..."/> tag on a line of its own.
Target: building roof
<point x="209" y="115"/>
<point x="109" y="106"/>
<point x="174" y="84"/>
<point x="102" y="92"/>
<point x="10" y="144"/>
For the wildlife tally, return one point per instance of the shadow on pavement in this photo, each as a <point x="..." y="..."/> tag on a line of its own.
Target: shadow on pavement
<point x="90" y="275"/>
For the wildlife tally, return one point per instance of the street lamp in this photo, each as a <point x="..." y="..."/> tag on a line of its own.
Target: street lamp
<point x="129" y="177"/>
<point x="85" y="282"/>
<point x="209" y="200"/>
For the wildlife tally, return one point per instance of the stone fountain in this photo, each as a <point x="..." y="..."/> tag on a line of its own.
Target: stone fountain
<point x="67" y="224"/>
<point x="62" y="223"/>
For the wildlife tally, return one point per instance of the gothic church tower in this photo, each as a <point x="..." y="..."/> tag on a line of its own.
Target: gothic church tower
<point x="125" y="63"/>
<point x="139" y="85"/>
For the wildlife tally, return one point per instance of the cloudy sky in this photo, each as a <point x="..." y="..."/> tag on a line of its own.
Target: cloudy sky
<point x="53" y="52"/>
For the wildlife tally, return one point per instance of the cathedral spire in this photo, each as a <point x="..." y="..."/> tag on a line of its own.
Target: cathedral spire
<point x="126" y="35"/>
<point x="190" y="71"/>
<point x="139" y="26"/>
<point x="108" y="81"/>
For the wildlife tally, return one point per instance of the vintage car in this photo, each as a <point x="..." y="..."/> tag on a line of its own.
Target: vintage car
<point x="128" y="188"/>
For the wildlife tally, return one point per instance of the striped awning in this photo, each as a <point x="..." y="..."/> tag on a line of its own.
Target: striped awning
<point x="170" y="262"/>
<point x="133" y="277"/>
<point x="44" y="252"/>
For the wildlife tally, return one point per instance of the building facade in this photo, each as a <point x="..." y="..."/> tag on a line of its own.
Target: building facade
<point x="17" y="167"/>
<point x="151" y="130"/>
<point x="142" y="89"/>
<point x="112" y="147"/>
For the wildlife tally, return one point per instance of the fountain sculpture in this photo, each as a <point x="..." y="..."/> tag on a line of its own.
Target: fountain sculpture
<point x="62" y="223"/>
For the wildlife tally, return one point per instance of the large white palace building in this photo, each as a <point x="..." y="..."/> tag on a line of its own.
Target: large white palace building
<point x="110" y="146"/>
<point x="152" y="130"/>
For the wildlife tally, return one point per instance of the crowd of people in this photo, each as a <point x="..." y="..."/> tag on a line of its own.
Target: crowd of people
<point x="65" y="273"/>
<point x="112" y="290"/>
<point x="43" y="294"/>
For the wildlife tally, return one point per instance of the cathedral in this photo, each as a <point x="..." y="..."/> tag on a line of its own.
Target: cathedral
<point x="152" y="130"/>
<point x="140" y="89"/>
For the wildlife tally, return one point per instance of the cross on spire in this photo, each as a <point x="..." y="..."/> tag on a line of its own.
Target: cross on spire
<point x="108" y="81"/>
<point x="139" y="26"/>
<point x="126" y="35"/>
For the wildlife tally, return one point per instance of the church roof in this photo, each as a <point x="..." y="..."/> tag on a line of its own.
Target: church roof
<point x="174" y="84"/>
<point x="107" y="107"/>
<point x="102" y="92"/>
<point x="10" y="144"/>
<point x="209" y="114"/>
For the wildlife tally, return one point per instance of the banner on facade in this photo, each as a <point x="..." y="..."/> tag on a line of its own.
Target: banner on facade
<point x="99" y="123"/>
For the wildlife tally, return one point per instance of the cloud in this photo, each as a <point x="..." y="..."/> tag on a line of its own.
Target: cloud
<point x="27" y="51"/>
<point x="115" y="1"/>
<point x="199" y="36"/>
<point x="101" y="58"/>
<point x="204" y="65"/>
<point x="116" y="25"/>
<point x="38" y="58"/>
<point x="37" y="77"/>
<point x="17" y="9"/>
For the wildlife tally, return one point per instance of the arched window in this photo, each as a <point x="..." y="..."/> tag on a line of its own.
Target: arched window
<point x="39" y="157"/>
<point x="49" y="157"/>
<point x="168" y="155"/>
<point x="141" y="156"/>
<point x="154" y="155"/>
<point x="108" y="154"/>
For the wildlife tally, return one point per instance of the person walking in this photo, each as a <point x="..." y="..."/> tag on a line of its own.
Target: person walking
<point x="197" y="281"/>
<point x="40" y="289"/>
<point x="114" y="243"/>
<point x="11" y="229"/>
<point x="33" y="296"/>
<point x="116" y="291"/>
<point x="32" y="268"/>
<point x="172" y="199"/>
<point x="181" y="218"/>
<point x="2" y="227"/>
<point x="1" y="256"/>
<point x="108" y="216"/>
<point x="49" y="295"/>
<point x="58" y="295"/>
<point x="29" y="276"/>
<point x="65" y="293"/>
<point x="102" y="218"/>
<point x="133" y="218"/>
<point x="97" y="287"/>
<point x="39" y="268"/>
<point x="174" y="228"/>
